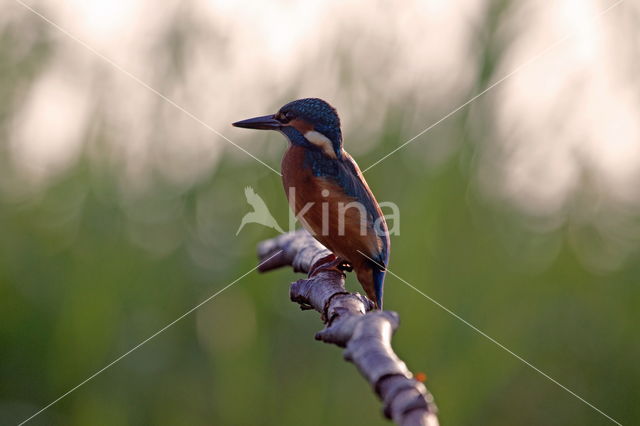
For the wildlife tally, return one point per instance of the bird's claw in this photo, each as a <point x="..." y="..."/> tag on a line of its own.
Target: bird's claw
<point x="345" y="266"/>
<point x="330" y="263"/>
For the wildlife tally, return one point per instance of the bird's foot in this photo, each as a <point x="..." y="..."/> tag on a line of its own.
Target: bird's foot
<point x="330" y="263"/>
<point x="345" y="266"/>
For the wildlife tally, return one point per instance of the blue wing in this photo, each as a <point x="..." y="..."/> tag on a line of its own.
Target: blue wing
<point x="346" y="173"/>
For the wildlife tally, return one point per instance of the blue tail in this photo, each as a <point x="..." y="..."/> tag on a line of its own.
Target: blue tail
<point x="378" y="283"/>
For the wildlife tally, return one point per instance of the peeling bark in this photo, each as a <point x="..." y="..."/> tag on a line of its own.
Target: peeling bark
<point x="351" y="323"/>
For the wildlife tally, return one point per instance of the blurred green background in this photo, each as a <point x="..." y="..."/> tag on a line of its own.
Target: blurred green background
<point x="118" y="212"/>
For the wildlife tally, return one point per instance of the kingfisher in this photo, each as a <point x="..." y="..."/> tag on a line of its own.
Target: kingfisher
<point x="327" y="191"/>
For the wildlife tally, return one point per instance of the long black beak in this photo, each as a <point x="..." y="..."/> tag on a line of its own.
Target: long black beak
<point x="266" y="122"/>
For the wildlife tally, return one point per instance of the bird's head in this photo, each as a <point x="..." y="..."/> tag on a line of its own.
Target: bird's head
<point x="311" y="123"/>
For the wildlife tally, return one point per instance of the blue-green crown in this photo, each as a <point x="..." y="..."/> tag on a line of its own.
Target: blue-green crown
<point x="319" y="113"/>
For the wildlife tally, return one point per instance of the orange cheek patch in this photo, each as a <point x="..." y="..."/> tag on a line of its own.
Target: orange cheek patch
<point x="301" y="125"/>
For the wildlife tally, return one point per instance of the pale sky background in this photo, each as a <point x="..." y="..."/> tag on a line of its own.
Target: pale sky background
<point x="564" y="125"/>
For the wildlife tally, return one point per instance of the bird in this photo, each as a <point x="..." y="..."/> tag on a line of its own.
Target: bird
<point x="328" y="193"/>
<point x="260" y="213"/>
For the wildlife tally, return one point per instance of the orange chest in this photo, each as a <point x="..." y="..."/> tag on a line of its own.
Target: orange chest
<point x="323" y="207"/>
<point x="297" y="178"/>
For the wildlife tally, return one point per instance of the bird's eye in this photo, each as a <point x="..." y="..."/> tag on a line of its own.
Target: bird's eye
<point x="285" y="117"/>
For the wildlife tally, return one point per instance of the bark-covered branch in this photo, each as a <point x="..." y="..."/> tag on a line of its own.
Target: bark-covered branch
<point x="350" y="323"/>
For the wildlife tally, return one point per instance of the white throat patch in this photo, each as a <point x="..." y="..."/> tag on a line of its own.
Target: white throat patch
<point x="321" y="141"/>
